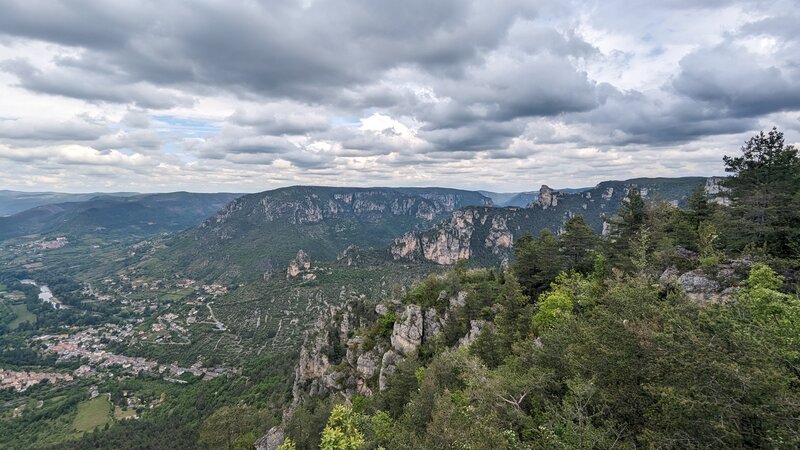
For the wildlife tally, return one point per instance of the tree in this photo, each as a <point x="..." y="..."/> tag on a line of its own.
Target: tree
<point x="288" y="444"/>
<point x="231" y="427"/>
<point x="699" y="207"/>
<point x="537" y="262"/>
<point x="578" y="243"/>
<point x="765" y="194"/>
<point x="632" y="214"/>
<point x="342" y="431"/>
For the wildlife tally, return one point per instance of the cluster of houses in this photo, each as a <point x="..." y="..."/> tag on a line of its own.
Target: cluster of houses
<point x="22" y="380"/>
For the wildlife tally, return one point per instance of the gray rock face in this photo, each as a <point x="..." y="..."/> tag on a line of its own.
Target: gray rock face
<point x="367" y="364"/>
<point x="444" y="245"/>
<point x="388" y="368"/>
<point x="546" y="199"/>
<point x="695" y="283"/>
<point x="669" y="275"/>
<point x="407" y="331"/>
<point x="432" y="324"/>
<point x="459" y="300"/>
<point x="475" y="330"/>
<point x="699" y="288"/>
<point x="499" y="238"/>
<point x="272" y="440"/>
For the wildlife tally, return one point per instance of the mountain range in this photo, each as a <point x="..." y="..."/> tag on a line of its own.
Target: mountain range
<point x="140" y="214"/>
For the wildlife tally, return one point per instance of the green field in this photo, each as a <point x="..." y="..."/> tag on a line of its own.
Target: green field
<point x="23" y="315"/>
<point x="93" y="413"/>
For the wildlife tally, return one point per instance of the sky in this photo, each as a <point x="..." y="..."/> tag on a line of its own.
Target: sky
<point x="502" y="95"/>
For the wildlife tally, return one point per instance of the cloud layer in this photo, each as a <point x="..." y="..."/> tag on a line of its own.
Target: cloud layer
<point x="504" y="95"/>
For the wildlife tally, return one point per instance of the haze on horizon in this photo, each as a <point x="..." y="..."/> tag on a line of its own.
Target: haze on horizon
<point x="503" y="95"/>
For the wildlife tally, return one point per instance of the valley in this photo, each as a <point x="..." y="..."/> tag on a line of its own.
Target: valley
<point x="106" y="319"/>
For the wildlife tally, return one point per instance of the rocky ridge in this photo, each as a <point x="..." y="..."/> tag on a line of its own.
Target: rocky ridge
<point x="369" y="362"/>
<point x="487" y="234"/>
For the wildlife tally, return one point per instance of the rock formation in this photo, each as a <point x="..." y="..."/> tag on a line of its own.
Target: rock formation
<point x="547" y="198"/>
<point x="299" y="264"/>
<point x="272" y="440"/>
<point x="445" y="244"/>
<point x="407" y="333"/>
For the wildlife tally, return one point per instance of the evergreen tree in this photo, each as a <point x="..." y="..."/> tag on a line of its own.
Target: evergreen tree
<point x="632" y="214"/>
<point x="699" y="207"/>
<point x="578" y="243"/>
<point x="765" y="194"/>
<point x="537" y="262"/>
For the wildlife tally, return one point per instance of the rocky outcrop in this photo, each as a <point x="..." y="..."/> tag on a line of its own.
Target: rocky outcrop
<point x="272" y="440"/>
<point x="298" y="265"/>
<point x="717" y="191"/>
<point x="700" y="288"/>
<point x="475" y="329"/>
<point x="547" y="198"/>
<point x="500" y="239"/>
<point x="446" y="244"/>
<point x="308" y="205"/>
<point x="408" y="330"/>
<point x="388" y="368"/>
<point x="369" y="363"/>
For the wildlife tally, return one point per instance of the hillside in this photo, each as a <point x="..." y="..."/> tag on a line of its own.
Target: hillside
<point x="259" y="234"/>
<point x="12" y="202"/>
<point x="486" y="234"/>
<point x="138" y="215"/>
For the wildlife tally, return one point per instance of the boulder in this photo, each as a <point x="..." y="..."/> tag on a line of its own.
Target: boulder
<point x="700" y="288"/>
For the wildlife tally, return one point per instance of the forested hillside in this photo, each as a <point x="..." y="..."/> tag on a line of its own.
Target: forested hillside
<point x="677" y="330"/>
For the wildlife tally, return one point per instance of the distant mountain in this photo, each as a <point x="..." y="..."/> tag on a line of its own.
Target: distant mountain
<point x="521" y="199"/>
<point x="12" y="202"/>
<point x="138" y="215"/>
<point x="259" y="234"/>
<point x="486" y="234"/>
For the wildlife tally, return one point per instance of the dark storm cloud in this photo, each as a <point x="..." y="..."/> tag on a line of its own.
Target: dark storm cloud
<point x="273" y="49"/>
<point x="720" y="77"/>
<point x="362" y="85"/>
<point x="91" y="86"/>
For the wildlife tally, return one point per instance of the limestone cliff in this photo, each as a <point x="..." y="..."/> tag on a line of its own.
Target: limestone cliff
<point x="370" y="360"/>
<point x="446" y="244"/>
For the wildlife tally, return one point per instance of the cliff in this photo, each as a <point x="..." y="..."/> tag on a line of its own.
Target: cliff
<point x="486" y="235"/>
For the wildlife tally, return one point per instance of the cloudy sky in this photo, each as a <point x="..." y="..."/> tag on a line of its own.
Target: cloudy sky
<point x="503" y="95"/>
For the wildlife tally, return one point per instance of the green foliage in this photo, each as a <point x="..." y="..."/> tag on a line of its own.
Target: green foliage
<point x="553" y="308"/>
<point x="231" y="427"/>
<point x="342" y="431"/>
<point x="765" y="189"/>
<point x="578" y="243"/>
<point x="288" y="444"/>
<point x="537" y="262"/>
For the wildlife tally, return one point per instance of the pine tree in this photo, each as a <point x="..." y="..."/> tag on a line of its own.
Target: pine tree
<point x="537" y="262"/>
<point x="765" y="194"/>
<point x="578" y="242"/>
